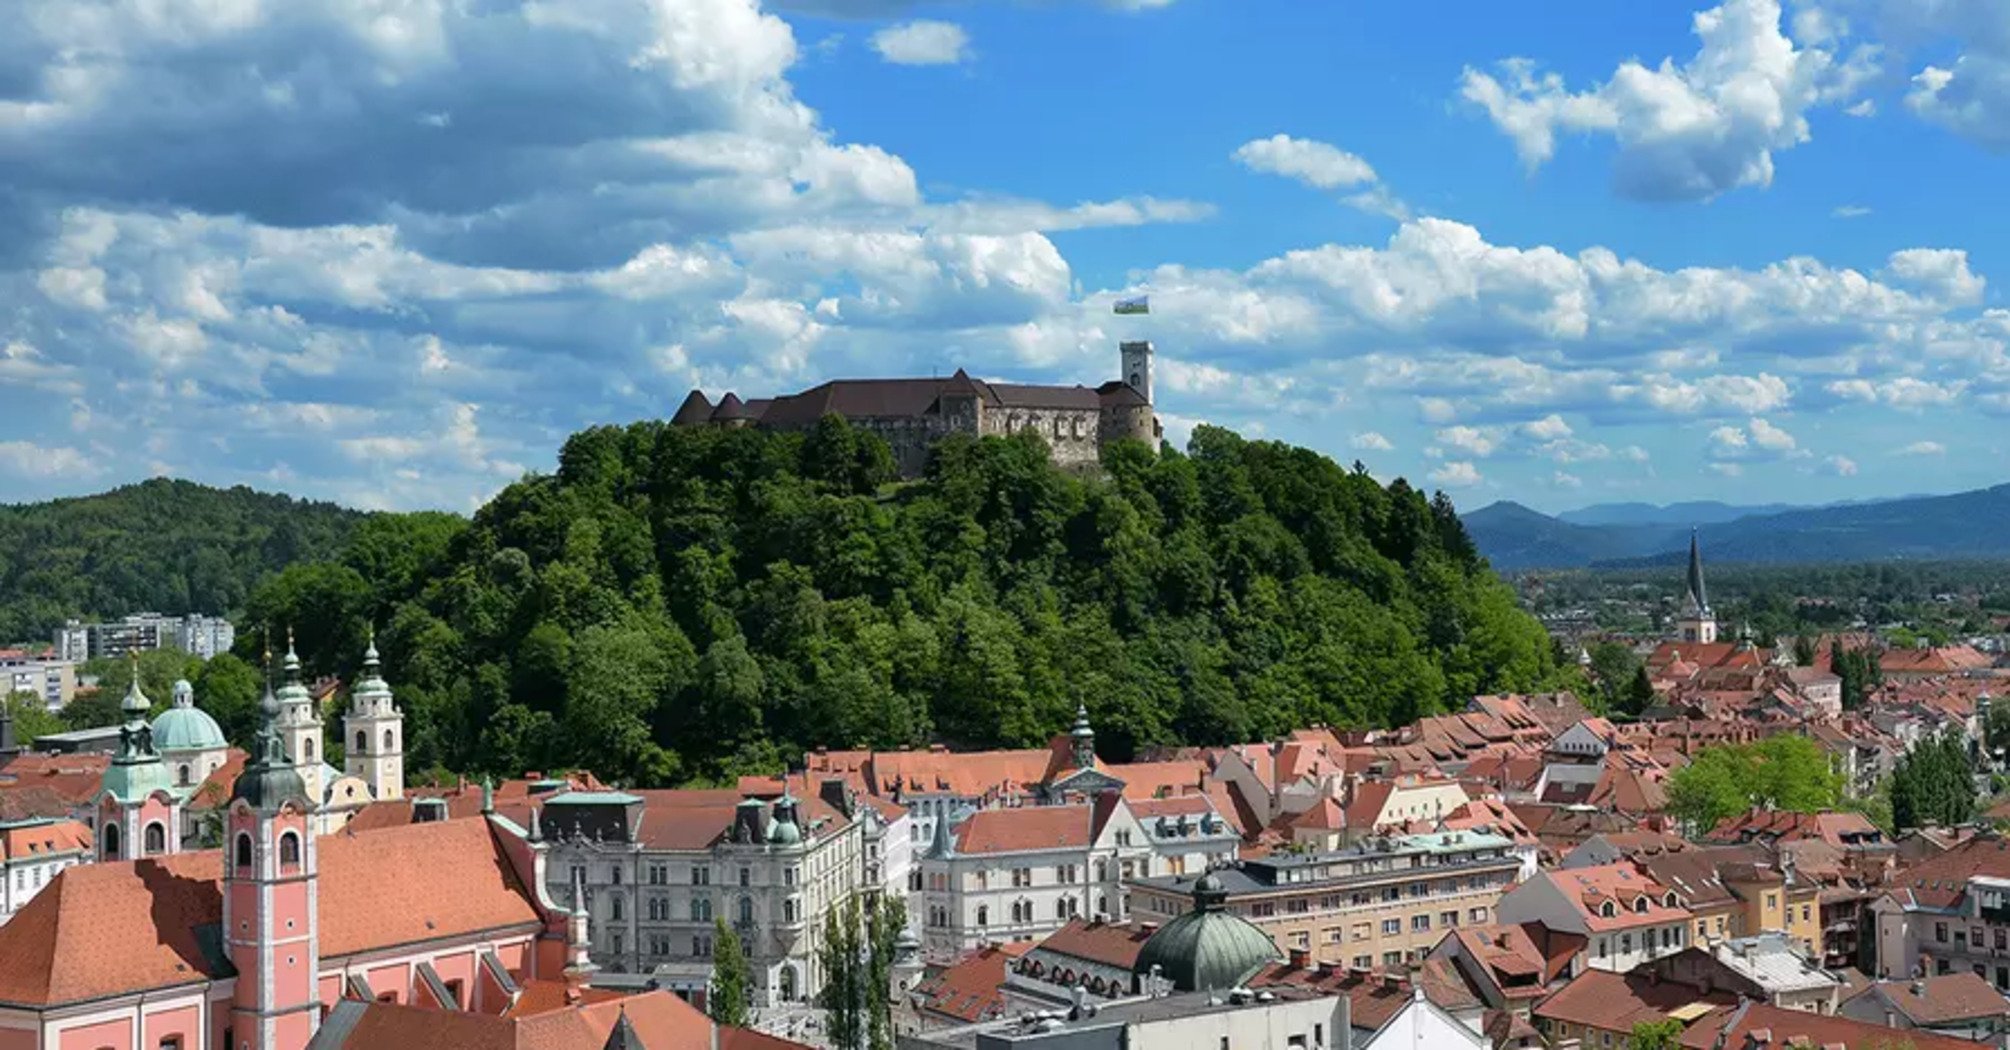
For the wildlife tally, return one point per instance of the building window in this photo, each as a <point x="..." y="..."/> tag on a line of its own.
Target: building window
<point x="614" y="906"/>
<point x="1419" y="923"/>
<point x="617" y="874"/>
<point x="746" y="876"/>
<point x="390" y="742"/>
<point x="454" y="993"/>
<point x="1391" y="927"/>
<point x="289" y="850"/>
<point x="243" y="854"/>
<point x="701" y="876"/>
<point x="182" y="775"/>
<point x="746" y="911"/>
<point x="983" y="915"/>
<point x="310" y="749"/>
<point x="1940" y="932"/>
<point x="154" y="839"/>
<point x="362" y="741"/>
<point x="111" y="842"/>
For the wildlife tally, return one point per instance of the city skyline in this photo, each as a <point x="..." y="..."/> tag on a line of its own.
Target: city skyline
<point x="392" y="257"/>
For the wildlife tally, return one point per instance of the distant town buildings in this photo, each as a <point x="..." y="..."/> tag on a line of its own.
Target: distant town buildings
<point x="55" y="681"/>
<point x="203" y="636"/>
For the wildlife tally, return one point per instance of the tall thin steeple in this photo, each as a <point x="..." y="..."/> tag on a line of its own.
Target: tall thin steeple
<point x="1082" y="738"/>
<point x="1698" y="624"/>
<point x="1699" y="597"/>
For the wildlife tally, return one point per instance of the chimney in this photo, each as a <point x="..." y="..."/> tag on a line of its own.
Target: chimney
<point x="1301" y="958"/>
<point x="1919" y="988"/>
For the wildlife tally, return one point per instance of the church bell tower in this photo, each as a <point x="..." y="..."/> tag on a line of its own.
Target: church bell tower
<point x="374" y="731"/>
<point x="1698" y="624"/>
<point x="270" y="909"/>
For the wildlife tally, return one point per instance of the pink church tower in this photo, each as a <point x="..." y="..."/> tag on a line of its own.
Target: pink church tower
<point x="269" y="896"/>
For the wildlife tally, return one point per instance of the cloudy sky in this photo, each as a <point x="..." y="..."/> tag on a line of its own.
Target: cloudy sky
<point x="391" y="252"/>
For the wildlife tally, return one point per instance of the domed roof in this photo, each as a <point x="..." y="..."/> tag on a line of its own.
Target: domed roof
<point x="782" y="830"/>
<point x="1208" y="947"/>
<point x="186" y="727"/>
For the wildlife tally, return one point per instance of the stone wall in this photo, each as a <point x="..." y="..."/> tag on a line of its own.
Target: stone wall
<point x="1074" y="436"/>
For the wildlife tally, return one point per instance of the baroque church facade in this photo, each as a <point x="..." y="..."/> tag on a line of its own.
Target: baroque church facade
<point x="912" y="415"/>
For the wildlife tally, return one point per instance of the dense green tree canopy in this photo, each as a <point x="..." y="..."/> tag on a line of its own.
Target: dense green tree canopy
<point x="161" y="546"/>
<point x="683" y="604"/>
<point x="1780" y="772"/>
<point x="1934" y="783"/>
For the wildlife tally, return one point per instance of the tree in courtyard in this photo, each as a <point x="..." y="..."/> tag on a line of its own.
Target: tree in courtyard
<point x="1789" y="773"/>
<point x="1665" y="1034"/>
<point x="885" y="918"/>
<point x="31" y="717"/>
<point x="727" y="1002"/>
<point x="1934" y="783"/>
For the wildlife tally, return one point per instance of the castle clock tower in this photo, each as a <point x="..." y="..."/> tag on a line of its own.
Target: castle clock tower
<point x="270" y="904"/>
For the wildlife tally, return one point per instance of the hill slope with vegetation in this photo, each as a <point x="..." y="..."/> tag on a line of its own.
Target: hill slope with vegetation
<point x="159" y="546"/>
<point x="678" y="604"/>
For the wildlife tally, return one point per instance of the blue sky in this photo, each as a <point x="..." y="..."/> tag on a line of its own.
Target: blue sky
<point x="391" y="252"/>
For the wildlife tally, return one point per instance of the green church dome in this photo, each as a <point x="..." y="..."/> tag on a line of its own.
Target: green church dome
<point x="186" y="727"/>
<point x="1208" y="947"/>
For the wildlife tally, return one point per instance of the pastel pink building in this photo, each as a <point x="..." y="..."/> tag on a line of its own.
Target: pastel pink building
<point x="250" y="947"/>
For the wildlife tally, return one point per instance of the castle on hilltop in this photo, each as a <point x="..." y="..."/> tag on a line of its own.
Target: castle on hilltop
<point x="913" y="414"/>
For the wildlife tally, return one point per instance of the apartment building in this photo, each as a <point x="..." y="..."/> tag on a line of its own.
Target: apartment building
<point x="1383" y="902"/>
<point x="1948" y="914"/>
<point x="203" y="636"/>
<point x="53" y="680"/>
<point x="1625" y="917"/>
<point x="1021" y="873"/>
<point x="657" y="867"/>
<point x="32" y="852"/>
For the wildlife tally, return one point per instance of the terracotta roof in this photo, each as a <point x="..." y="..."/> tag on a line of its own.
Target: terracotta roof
<point x="1944" y="660"/>
<point x="35" y="802"/>
<point x="1373" y="997"/>
<point x="660" y="1021"/>
<point x="1024" y="828"/>
<point x="83" y="936"/>
<point x="1620" y="885"/>
<point x="42" y="839"/>
<point x="1939" y="882"/>
<point x="1113" y="944"/>
<point x="972" y="989"/>
<point x="1734" y="1026"/>
<point x="214" y="791"/>
<point x="1615" y="1002"/>
<point x="1524" y="958"/>
<point x="1945" y="999"/>
<point x="1838" y="829"/>
<point x="1144" y="780"/>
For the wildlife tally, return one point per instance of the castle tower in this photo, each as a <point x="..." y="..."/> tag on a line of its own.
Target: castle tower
<point x="374" y="731"/>
<point x="271" y="925"/>
<point x="138" y="814"/>
<point x="1697" y="624"/>
<point x="300" y="727"/>
<point x="1135" y="359"/>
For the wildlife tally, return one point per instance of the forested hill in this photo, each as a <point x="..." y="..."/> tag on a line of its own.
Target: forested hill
<point x="158" y="546"/>
<point x="676" y="604"/>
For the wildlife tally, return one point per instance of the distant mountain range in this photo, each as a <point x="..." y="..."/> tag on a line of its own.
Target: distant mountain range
<point x="1963" y="525"/>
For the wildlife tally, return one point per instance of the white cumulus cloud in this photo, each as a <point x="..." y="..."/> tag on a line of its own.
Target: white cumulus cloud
<point x="1370" y="441"/>
<point x="1456" y="474"/>
<point x="1924" y="448"/>
<point x="923" y="42"/>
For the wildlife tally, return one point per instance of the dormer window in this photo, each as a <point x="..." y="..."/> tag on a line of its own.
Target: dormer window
<point x="1606" y="910"/>
<point x="1640" y="905"/>
<point x="1670" y="900"/>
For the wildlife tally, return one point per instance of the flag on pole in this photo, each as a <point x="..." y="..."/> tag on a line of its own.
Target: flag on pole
<point x="1136" y="304"/>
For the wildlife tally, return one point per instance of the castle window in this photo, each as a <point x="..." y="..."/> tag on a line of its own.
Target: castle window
<point x="111" y="843"/>
<point x="289" y="850"/>
<point x="154" y="839"/>
<point x="362" y="741"/>
<point x="243" y="853"/>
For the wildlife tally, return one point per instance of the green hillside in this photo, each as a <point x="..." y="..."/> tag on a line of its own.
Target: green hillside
<point x="677" y="604"/>
<point x="158" y="546"/>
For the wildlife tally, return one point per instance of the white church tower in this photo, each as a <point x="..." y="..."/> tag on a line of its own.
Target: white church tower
<point x="374" y="731"/>
<point x="299" y="727"/>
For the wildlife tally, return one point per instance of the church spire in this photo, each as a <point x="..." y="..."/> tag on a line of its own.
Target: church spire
<point x="270" y="777"/>
<point x="1699" y="598"/>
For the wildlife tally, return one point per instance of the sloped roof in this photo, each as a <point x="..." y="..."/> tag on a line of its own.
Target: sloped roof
<point x="87" y="934"/>
<point x="659" y="1020"/>
<point x="1733" y="1026"/>
<point x="35" y="840"/>
<point x="1939" y="882"/>
<point x="1024" y="828"/>
<point x="1109" y="943"/>
<point x="1622" y="886"/>
<point x="1616" y="1002"/>
<point x="972" y="988"/>
<point x="1945" y="999"/>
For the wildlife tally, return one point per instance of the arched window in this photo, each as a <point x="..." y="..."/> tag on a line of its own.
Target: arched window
<point x="289" y="850"/>
<point x="362" y="741"/>
<point x="310" y="749"/>
<point x="390" y="741"/>
<point x="746" y="911"/>
<point x="243" y="852"/>
<point x="182" y="775"/>
<point x="1640" y="905"/>
<point x="111" y="842"/>
<point x="983" y="915"/>
<point x="788" y="984"/>
<point x="154" y="839"/>
<point x="1606" y="910"/>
